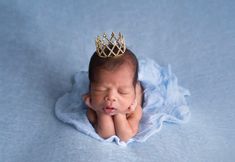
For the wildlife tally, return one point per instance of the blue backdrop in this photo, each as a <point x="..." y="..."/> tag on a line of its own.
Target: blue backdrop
<point x="44" y="43"/>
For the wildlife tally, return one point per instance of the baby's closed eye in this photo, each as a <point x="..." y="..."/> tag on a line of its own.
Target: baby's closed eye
<point x="99" y="89"/>
<point x="124" y="92"/>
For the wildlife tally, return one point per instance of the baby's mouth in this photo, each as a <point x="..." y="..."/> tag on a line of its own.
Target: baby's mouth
<point x="109" y="109"/>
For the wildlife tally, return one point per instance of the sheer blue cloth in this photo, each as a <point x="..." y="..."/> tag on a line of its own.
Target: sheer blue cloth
<point x="164" y="101"/>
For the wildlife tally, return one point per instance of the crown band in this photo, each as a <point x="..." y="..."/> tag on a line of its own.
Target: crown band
<point x="110" y="47"/>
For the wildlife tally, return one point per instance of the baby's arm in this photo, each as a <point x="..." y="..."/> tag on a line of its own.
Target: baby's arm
<point x="102" y="123"/>
<point x="127" y="127"/>
<point x="105" y="125"/>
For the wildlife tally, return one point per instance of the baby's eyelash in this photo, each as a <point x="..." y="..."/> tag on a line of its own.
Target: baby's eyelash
<point x="123" y="92"/>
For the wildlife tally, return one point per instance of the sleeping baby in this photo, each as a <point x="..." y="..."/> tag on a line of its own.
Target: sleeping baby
<point x="115" y="95"/>
<point x="120" y="98"/>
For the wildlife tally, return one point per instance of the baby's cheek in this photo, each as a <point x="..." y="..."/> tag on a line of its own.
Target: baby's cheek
<point x="96" y="97"/>
<point x="127" y="102"/>
<point x="96" y="102"/>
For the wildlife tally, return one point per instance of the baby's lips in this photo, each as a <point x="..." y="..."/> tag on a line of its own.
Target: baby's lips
<point x="109" y="109"/>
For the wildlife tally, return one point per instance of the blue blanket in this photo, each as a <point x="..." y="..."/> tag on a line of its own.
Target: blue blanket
<point x="164" y="100"/>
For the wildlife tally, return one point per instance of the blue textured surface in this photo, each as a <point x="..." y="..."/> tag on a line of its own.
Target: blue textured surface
<point x="43" y="43"/>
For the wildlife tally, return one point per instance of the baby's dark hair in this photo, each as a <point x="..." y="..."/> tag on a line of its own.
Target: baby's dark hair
<point x="112" y="63"/>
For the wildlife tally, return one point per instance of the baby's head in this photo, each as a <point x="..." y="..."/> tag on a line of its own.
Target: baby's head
<point x="112" y="64"/>
<point x="112" y="83"/>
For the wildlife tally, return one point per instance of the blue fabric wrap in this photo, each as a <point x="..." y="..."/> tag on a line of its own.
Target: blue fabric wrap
<point x="164" y="101"/>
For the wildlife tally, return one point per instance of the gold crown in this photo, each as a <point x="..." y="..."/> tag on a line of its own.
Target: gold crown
<point x="110" y="47"/>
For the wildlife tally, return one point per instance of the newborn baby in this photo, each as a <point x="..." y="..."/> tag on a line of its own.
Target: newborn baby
<point x="115" y="95"/>
<point x="125" y="99"/>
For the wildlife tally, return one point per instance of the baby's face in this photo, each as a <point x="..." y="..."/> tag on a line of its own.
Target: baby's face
<point x="113" y="91"/>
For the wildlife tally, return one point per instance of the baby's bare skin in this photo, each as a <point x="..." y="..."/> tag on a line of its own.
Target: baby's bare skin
<point x="124" y="125"/>
<point x="114" y="103"/>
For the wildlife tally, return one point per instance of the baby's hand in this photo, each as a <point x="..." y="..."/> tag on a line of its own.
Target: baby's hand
<point x="133" y="106"/>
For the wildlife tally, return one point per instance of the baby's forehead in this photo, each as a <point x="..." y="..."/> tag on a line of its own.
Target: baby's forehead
<point x="123" y="77"/>
<point x="106" y="84"/>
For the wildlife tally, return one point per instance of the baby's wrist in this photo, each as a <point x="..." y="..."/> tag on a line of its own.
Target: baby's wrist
<point x="120" y="115"/>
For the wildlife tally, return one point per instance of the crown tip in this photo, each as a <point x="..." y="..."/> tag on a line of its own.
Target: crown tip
<point x="116" y="42"/>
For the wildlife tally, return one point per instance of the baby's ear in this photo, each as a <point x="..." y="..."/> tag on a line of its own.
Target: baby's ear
<point x="87" y="100"/>
<point x="133" y="106"/>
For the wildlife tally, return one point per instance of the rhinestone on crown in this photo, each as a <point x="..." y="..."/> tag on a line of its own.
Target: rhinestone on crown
<point x="110" y="47"/>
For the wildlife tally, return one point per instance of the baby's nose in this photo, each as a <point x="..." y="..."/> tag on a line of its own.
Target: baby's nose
<point x="110" y="97"/>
